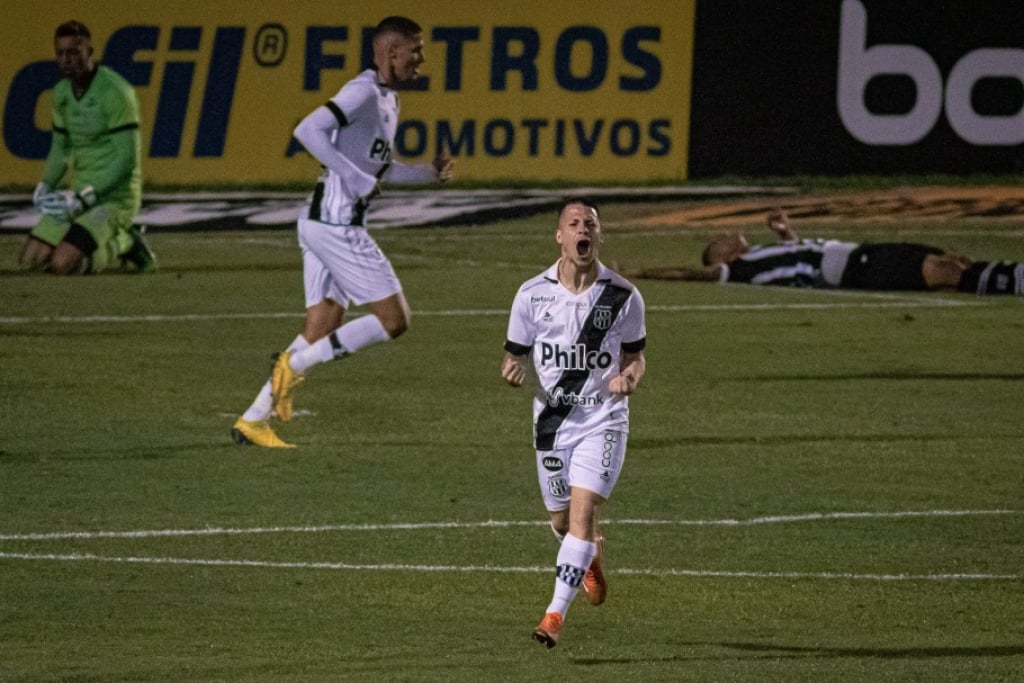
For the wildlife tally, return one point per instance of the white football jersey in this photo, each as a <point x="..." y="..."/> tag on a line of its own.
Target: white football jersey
<point x="367" y="116"/>
<point x="576" y="341"/>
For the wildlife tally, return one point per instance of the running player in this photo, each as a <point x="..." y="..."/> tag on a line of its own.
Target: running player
<point x="96" y="147"/>
<point x="583" y="328"/>
<point x="352" y="136"/>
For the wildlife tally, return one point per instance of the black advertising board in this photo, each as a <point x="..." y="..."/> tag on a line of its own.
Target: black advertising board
<point x="857" y="86"/>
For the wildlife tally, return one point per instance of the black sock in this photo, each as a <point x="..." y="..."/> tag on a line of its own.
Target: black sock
<point x="993" y="277"/>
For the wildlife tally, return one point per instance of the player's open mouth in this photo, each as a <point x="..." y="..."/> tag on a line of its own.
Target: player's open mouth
<point x="583" y="247"/>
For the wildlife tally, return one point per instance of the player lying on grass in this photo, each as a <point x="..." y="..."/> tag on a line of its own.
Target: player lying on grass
<point x="824" y="263"/>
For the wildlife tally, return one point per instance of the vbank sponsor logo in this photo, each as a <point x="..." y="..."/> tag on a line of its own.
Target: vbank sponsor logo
<point x="559" y="397"/>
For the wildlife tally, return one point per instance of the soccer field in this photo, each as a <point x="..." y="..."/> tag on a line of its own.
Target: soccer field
<point x="819" y="486"/>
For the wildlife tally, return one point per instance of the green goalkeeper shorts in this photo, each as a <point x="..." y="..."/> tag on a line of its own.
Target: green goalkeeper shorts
<point x="103" y="222"/>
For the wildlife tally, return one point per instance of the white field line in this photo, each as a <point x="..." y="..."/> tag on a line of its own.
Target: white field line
<point x="495" y="524"/>
<point x="906" y="302"/>
<point x="345" y="566"/>
<point x="663" y="572"/>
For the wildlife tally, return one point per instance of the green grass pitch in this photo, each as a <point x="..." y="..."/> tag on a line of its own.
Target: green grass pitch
<point x="819" y="486"/>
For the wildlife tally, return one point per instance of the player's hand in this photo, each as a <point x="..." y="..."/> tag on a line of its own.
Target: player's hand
<point x="778" y="222"/>
<point x="444" y="166"/>
<point x="513" y="369"/>
<point x="68" y="204"/>
<point x="623" y="385"/>
<point x="42" y="189"/>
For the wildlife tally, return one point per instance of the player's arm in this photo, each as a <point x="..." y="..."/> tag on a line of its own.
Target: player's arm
<point x="56" y="164"/>
<point x="515" y="363"/>
<point x="315" y="132"/>
<point x="113" y="175"/>
<point x="440" y="170"/>
<point x="54" y="168"/>
<point x="778" y="222"/>
<point x="633" y="367"/>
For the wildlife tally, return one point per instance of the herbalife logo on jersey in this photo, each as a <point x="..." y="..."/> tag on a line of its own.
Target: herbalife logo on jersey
<point x="575" y="357"/>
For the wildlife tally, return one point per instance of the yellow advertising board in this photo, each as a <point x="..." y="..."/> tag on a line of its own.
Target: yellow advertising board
<point x="519" y="91"/>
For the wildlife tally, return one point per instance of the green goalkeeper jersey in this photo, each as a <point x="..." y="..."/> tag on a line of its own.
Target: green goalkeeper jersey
<point x="97" y="139"/>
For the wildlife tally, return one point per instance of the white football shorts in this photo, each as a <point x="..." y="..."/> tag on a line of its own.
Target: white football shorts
<point x="344" y="264"/>
<point x="593" y="464"/>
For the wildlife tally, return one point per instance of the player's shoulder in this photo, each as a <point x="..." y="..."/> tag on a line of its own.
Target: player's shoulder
<point x="541" y="281"/>
<point x="112" y="79"/>
<point x="364" y="82"/>
<point x="613" y="279"/>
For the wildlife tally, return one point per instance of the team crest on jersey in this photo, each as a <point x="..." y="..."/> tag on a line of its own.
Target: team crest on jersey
<point x="602" y="317"/>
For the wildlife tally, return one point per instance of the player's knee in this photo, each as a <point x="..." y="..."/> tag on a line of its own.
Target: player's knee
<point x="65" y="264"/>
<point x="395" y="322"/>
<point x="397" y="327"/>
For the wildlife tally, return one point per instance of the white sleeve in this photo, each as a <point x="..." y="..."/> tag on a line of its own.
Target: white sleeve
<point x="635" y="326"/>
<point x="520" y="326"/>
<point x="315" y="132"/>
<point x="411" y="173"/>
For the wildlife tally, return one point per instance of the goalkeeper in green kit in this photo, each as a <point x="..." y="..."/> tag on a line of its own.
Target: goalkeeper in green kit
<point x="96" y="151"/>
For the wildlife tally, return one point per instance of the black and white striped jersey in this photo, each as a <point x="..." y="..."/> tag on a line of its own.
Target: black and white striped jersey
<point x="802" y="263"/>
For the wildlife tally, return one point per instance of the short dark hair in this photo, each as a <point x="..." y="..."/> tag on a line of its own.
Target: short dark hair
<point x="585" y="201"/>
<point x="397" y="24"/>
<point x="73" y="29"/>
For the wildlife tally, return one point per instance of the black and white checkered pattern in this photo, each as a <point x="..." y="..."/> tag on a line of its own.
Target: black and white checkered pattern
<point x="570" y="574"/>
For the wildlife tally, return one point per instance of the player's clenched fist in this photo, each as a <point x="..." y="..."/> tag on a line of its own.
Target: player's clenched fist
<point x="513" y="369"/>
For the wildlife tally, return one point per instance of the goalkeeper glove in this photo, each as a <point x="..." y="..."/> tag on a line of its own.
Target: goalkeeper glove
<point x="42" y="189"/>
<point x="68" y="204"/>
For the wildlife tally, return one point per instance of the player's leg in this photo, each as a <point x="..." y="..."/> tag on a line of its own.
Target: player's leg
<point x="253" y="427"/>
<point x="553" y="477"/>
<point x="35" y="254"/>
<point x="92" y="242"/>
<point x="135" y="249"/>
<point x="943" y="271"/>
<point x="358" y="272"/>
<point x="71" y="256"/>
<point x="386" y="320"/>
<point x="41" y="242"/>
<point x="585" y="478"/>
<point x="993" y="278"/>
<point x="594" y="583"/>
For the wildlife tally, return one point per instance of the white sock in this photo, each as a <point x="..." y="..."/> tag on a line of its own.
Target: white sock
<point x="264" y="403"/>
<point x="574" y="556"/>
<point x="347" y="339"/>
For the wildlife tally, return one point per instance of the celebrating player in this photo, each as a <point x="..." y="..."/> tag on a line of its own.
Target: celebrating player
<point x="583" y="325"/>
<point x="352" y="136"/>
<point x="96" y="144"/>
